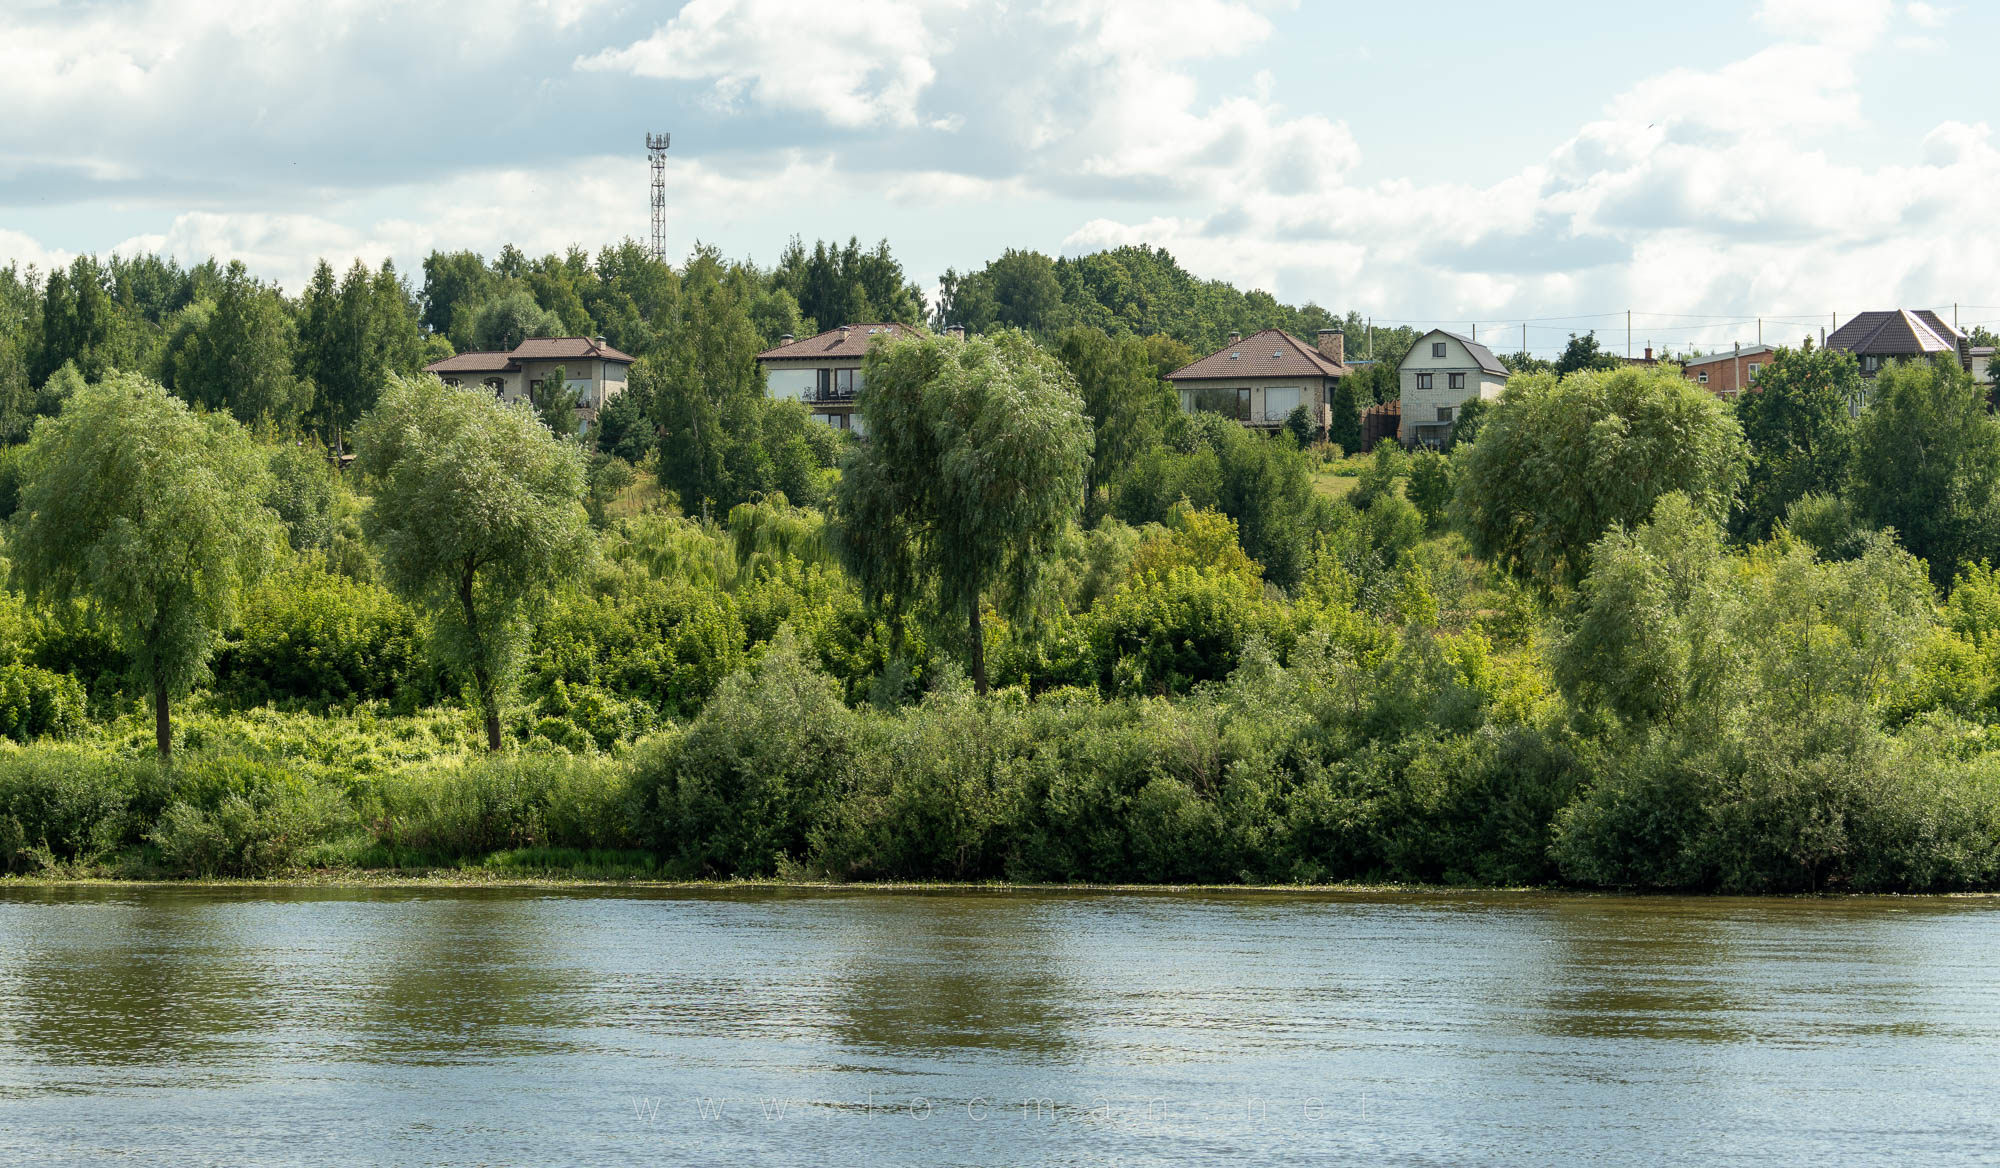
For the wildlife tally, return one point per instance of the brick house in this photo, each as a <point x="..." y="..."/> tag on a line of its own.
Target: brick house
<point x="1260" y="379"/>
<point x="1727" y="374"/>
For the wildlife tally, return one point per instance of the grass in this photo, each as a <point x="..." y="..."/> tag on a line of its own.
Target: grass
<point x="645" y="494"/>
<point x="1336" y="479"/>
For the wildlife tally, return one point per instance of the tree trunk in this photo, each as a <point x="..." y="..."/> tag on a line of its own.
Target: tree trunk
<point x="489" y="702"/>
<point x="978" y="646"/>
<point x="163" y="727"/>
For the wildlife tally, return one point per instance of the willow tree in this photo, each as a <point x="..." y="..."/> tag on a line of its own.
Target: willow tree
<point x="478" y="512"/>
<point x="973" y="465"/>
<point x="151" y="516"/>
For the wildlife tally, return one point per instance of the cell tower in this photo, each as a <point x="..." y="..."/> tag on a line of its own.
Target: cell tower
<point x="656" y="150"/>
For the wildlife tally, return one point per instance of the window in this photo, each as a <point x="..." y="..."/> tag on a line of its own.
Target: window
<point x="1704" y="377"/>
<point x="1753" y="370"/>
<point x="1423" y="381"/>
<point x="1444" y="413"/>
<point x="451" y="381"/>
<point x="497" y="385"/>
<point x="1457" y="380"/>
<point x="1437" y="348"/>
<point x="1231" y="403"/>
<point x="1870" y="364"/>
<point x="1279" y="404"/>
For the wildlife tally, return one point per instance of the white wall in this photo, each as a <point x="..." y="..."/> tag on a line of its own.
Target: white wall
<point x="1420" y="406"/>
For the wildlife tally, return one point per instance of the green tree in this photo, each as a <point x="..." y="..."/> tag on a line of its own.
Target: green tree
<point x="150" y="515"/>
<point x="1559" y="463"/>
<point x="452" y="280"/>
<point x="478" y="512"/>
<point x="974" y="465"/>
<point x="1582" y="354"/>
<point x="501" y="324"/>
<point x="80" y="323"/>
<point x="1344" y="427"/>
<point x="1927" y="463"/>
<point x="1430" y="485"/>
<point x="353" y="338"/>
<point x="556" y="403"/>
<point x="1123" y="398"/>
<point x="1800" y="431"/>
<point x="236" y="352"/>
<point x="706" y="390"/>
<point x="1471" y="416"/>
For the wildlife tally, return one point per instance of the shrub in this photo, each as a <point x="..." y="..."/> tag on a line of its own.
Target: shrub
<point x="319" y="638"/>
<point x="63" y="805"/>
<point x="36" y="703"/>
<point x="742" y="791"/>
<point x="232" y="814"/>
<point x="507" y="801"/>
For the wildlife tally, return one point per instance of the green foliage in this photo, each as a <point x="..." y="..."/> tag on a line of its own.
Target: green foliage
<point x="742" y="791"/>
<point x="1431" y="485"/>
<point x="1583" y="355"/>
<point x="1123" y="397"/>
<point x="1344" y="409"/>
<point x="354" y="337"/>
<point x="321" y="639"/>
<point x="1800" y="433"/>
<point x="1927" y="465"/>
<point x="232" y="815"/>
<point x="500" y="325"/>
<point x="1559" y="463"/>
<point x="478" y="512"/>
<point x="152" y="516"/>
<point x="1471" y="419"/>
<point x="63" y="807"/>
<point x="974" y="465"/>
<point x="504" y="802"/>
<point x="303" y="494"/>
<point x="37" y="703"/>
<point x="834" y="285"/>
<point x="235" y="353"/>
<point x="707" y="390"/>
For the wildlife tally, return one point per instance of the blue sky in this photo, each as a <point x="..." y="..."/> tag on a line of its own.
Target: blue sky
<point x="1548" y="163"/>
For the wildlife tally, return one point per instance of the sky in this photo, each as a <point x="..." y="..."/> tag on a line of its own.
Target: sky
<point x="1470" y="165"/>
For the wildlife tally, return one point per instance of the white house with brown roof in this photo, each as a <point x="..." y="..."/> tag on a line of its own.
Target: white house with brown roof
<point x="595" y="370"/>
<point x="1260" y="379"/>
<point x="824" y="371"/>
<point x="1439" y="374"/>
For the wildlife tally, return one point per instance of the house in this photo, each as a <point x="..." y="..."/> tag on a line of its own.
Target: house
<point x="824" y="371"/>
<point x="1440" y="373"/>
<point x="1260" y="379"/>
<point x="595" y="370"/>
<point x="1727" y="374"/>
<point x="1904" y="334"/>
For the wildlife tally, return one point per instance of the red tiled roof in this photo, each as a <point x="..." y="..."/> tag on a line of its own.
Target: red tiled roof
<point x="532" y="349"/>
<point x="847" y="341"/>
<point x="1899" y="333"/>
<point x="567" y="348"/>
<point x="1271" y="353"/>
<point x="477" y="362"/>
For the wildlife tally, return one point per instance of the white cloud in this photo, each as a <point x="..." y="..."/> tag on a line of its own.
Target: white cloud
<point x="867" y="65"/>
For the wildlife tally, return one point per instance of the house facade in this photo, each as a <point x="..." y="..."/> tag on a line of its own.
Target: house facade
<point x="1260" y="379"/>
<point x="1903" y="334"/>
<point x="1442" y="372"/>
<point x="824" y="371"/>
<point x="595" y="370"/>
<point x="1727" y="375"/>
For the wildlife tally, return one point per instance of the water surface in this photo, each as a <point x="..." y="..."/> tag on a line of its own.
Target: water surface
<point x="520" y="1026"/>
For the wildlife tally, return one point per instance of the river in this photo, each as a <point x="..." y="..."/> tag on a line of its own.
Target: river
<point x="829" y="1027"/>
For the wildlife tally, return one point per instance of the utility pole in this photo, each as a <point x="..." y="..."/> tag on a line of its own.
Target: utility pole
<point x="1524" y="340"/>
<point x="1371" y="338"/>
<point x="1628" y="334"/>
<point x="1760" y="330"/>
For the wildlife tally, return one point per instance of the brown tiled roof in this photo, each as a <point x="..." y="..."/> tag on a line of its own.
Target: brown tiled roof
<point x="478" y="362"/>
<point x="567" y="349"/>
<point x="1271" y="353"/>
<point x="1899" y="333"/>
<point x="848" y="341"/>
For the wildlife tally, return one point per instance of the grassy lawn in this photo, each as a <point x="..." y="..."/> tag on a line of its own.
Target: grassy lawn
<point x="1336" y="479"/>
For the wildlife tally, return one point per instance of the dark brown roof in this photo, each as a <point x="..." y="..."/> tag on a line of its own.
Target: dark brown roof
<point x="477" y="362"/>
<point x="567" y="349"/>
<point x="532" y="349"/>
<point x="1902" y="332"/>
<point x="1271" y="353"/>
<point x="846" y="341"/>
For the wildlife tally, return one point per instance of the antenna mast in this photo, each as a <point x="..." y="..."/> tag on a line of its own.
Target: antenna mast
<point x="656" y="151"/>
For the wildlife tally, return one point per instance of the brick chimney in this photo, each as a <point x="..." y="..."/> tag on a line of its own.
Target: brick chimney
<point x="844" y="330"/>
<point x="1235" y="338"/>
<point x="1649" y="352"/>
<point x="955" y="331"/>
<point x="786" y="340"/>
<point x="599" y="340"/>
<point x="1333" y="345"/>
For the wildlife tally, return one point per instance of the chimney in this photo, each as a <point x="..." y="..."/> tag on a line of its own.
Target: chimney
<point x="844" y="329"/>
<point x="786" y="340"/>
<point x="955" y="331"/>
<point x="1333" y="345"/>
<point x="599" y="338"/>
<point x="1649" y="352"/>
<point x="1235" y="338"/>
